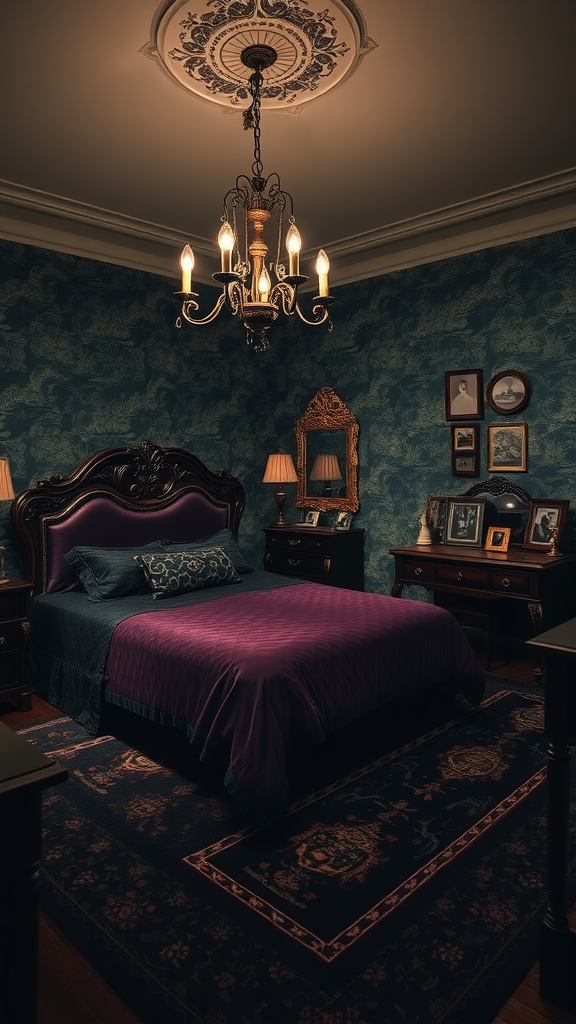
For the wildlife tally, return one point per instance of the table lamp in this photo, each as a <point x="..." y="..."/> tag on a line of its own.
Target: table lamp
<point x="6" y="494"/>
<point x="326" y="468"/>
<point x="280" y="470"/>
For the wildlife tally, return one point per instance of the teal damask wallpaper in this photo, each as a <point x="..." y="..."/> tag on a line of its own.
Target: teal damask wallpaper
<point x="90" y="358"/>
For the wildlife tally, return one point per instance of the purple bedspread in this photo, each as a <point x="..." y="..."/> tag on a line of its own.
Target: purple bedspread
<point x="252" y="672"/>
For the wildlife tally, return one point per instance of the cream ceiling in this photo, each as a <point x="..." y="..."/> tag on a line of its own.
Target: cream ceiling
<point x="457" y="130"/>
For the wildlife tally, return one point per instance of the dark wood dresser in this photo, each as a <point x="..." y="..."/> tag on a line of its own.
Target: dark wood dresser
<point x="24" y="773"/>
<point x="334" y="557"/>
<point x="462" y="579"/>
<point x="14" y="629"/>
<point x="546" y="584"/>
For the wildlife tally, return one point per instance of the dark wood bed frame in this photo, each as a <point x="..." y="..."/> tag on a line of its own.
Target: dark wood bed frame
<point x="145" y="478"/>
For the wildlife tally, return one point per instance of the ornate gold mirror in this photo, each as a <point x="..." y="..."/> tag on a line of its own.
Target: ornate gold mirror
<point x="327" y="455"/>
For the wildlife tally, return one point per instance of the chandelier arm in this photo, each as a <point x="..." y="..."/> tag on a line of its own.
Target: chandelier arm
<point x="234" y="297"/>
<point x="286" y="295"/>
<point x="318" y="309"/>
<point x="189" y="304"/>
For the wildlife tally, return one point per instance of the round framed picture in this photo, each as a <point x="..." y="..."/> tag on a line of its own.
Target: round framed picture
<point x="508" y="391"/>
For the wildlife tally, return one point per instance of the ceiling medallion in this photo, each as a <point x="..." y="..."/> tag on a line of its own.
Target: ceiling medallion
<point x="199" y="44"/>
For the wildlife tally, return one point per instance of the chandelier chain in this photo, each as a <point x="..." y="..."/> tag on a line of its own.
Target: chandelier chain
<point x="251" y="118"/>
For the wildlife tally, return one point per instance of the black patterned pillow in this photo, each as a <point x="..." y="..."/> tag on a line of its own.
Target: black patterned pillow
<point x="176" y="572"/>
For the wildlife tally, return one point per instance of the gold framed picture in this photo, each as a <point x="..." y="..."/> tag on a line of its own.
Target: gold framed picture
<point x="497" y="538"/>
<point x="507" y="447"/>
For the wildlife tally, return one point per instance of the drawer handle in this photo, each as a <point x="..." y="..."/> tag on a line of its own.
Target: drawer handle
<point x="506" y="582"/>
<point x="417" y="572"/>
<point x="294" y="541"/>
<point x="2" y="639"/>
<point x="459" y="576"/>
<point x="294" y="561"/>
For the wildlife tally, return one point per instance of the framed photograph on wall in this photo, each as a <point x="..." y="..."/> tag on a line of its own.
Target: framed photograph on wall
<point x="465" y="438"/>
<point x="507" y="447"/>
<point x="508" y="392"/>
<point x="465" y="449"/>
<point x="545" y="523"/>
<point x="463" y="397"/>
<point x="498" y="538"/>
<point x="465" y="465"/>
<point x="464" y="521"/>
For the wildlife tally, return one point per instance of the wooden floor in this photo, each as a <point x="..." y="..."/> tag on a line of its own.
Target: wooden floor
<point x="72" y="992"/>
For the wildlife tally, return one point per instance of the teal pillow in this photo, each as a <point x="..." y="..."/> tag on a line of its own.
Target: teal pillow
<point x="177" y="572"/>
<point x="110" y="572"/>
<point x="222" y="539"/>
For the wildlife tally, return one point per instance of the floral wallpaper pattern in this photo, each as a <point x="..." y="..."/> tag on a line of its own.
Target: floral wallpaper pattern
<point x="90" y="358"/>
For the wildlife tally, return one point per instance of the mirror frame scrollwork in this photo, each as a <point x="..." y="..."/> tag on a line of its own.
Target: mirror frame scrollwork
<point x="327" y="412"/>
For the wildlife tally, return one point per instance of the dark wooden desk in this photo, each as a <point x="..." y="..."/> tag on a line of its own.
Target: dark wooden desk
<point x="24" y="773"/>
<point x="557" y="939"/>
<point x="546" y="584"/>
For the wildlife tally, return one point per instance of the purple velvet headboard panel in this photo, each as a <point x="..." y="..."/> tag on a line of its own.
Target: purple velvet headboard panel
<point x="103" y="523"/>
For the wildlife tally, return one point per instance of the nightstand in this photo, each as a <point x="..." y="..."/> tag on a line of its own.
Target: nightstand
<point x="14" y="629"/>
<point x="333" y="557"/>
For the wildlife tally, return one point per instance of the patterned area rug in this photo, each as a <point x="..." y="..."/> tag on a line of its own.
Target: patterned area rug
<point x="408" y="888"/>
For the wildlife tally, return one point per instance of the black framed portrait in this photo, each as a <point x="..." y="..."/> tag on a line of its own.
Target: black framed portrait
<point x="463" y="397"/>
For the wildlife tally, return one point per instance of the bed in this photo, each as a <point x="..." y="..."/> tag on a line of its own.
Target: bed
<point x="143" y="599"/>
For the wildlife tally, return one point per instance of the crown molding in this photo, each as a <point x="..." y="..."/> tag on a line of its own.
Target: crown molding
<point x="532" y="208"/>
<point x="39" y="218"/>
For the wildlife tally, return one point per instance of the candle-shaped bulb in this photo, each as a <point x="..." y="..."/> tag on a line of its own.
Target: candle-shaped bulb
<point x="293" y="245"/>
<point x="226" y="243"/>
<point x="187" y="265"/>
<point x="264" y="285"/>
<point x="322" y="268"/>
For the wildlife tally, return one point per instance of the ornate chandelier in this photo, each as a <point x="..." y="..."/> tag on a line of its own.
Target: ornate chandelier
<point x="248" y="290"/>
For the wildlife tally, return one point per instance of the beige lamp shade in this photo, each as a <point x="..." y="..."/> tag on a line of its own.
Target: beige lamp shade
<point x="279" y="470"/>
<point x="6" y="488"/>
<point x="326" y="468"/>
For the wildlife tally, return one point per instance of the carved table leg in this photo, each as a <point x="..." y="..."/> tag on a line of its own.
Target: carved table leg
<point x="397" y="589"/>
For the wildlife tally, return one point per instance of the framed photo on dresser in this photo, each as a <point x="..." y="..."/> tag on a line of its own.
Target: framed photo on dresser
<point x="464" y="521"/>
<point x="497" y="538"/>
<point x="545" y="523"/>
<point x="436" y="516"/>
<point x="343" y="521"/>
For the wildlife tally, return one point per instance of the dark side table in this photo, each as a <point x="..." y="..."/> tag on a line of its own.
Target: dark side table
<point x="24" y="773"/>
<point x="316" y="553"/>
<point x="557" y="939"/>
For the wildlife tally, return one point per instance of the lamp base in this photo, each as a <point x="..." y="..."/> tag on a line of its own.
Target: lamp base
<point x="281" y="521"/>
<point x="280" y="518"/>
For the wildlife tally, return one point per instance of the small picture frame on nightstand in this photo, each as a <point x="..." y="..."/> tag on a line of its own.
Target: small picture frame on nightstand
<point x="343" y="521"/>
<point x="310" y="518"/>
